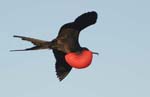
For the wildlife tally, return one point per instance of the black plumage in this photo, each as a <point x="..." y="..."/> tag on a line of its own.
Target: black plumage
<point x="67" y="41"/>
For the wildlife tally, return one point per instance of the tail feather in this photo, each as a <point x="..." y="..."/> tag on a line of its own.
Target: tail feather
<point x="27" y="49"/>
<point x="39" y="44"/>
<point x="33" y="40"/>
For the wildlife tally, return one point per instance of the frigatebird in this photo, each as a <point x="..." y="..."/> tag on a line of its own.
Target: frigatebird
<point x="66" y="42"/>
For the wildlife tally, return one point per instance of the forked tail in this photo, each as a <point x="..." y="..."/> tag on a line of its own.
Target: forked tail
<point x="39" y="44"/>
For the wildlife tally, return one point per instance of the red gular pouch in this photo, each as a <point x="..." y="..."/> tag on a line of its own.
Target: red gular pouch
<point x="79" y="60"/>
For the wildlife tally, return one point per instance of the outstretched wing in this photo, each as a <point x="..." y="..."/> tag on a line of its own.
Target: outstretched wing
<point x="62" y="68"/>
<point x="68" y="35"/>
<point x="85" y="20"/>
<point x="80" y="23"/>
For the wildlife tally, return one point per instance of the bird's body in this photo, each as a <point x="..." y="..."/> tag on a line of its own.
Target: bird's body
<point x="65" y="43"/>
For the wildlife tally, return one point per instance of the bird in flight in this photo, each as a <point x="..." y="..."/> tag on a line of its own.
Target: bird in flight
<point x="66" y="48"/>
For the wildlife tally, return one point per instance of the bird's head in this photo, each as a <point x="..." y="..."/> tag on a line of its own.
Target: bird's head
<point x="84" y="48"/>
<point x="80" y="59"/>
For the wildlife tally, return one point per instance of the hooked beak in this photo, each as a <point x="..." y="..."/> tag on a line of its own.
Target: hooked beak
<point x="96" y="53"/>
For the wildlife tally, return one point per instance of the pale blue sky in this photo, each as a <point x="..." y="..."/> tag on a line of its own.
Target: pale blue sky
<point x="121" y="36"/>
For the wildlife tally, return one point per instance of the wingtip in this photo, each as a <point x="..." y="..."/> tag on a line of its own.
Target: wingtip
<point x="94" y="12"/>
<point x="94" y="15"/>
<point x="60" y="78"/>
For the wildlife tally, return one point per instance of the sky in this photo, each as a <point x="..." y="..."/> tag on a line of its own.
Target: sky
<point x="121" y="36"/>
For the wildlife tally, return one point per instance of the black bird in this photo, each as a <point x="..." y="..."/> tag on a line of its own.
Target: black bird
<point x="65" y="42"/>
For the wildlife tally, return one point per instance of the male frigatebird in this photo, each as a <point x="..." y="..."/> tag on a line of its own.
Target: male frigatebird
<point x="66" y="47"/>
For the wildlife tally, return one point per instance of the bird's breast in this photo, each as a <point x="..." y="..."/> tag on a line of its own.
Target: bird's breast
<point x="79" y="60"/>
